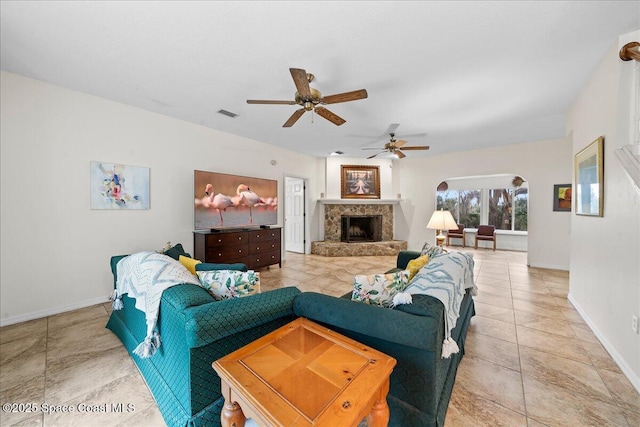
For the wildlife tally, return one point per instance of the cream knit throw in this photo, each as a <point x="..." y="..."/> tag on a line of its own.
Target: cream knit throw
<point x="144" y="276"/>
<point x="446" y="277"/>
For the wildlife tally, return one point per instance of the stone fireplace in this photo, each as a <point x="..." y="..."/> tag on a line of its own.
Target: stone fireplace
<point x="366" y="238"/>
<point x="361" y="228"/>
<point x="333" y="218"/>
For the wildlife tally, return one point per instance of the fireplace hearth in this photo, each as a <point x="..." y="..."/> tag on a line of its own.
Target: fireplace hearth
<point x="361" y="228"/>
<point x="334" y="246"/>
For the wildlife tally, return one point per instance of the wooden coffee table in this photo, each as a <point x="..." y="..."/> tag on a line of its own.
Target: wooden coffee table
<point x="305" y="375"/>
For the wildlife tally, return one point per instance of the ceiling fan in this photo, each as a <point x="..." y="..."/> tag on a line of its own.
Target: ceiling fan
<point x="396" y="146"/>
<point x="309" y="99"/>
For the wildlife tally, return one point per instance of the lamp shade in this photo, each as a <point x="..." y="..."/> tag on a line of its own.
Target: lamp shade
<point x="442" y="220"/>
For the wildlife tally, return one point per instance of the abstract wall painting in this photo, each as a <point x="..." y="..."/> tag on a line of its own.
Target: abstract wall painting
<point x="115" y="186"/>
<point x="562" y="197"/>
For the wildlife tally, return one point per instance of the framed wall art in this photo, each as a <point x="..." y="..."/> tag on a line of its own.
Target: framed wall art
<point x="115" y="186"/>
<point x="589" y="176"/>
<point x="360" y="182"/>
<point x="562" y="197"/>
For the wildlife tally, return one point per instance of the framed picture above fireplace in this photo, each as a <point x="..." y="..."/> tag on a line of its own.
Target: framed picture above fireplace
<point x="360" y="182"/>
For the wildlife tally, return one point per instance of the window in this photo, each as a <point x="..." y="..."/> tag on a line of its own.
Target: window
<point x="464" y="206"/>
<point x="500" y="207"/>
<point x="521" y="203"/>
<point x="448" y="201"/>
<point x="469" y="212"/>
<point x="504" y="208"/>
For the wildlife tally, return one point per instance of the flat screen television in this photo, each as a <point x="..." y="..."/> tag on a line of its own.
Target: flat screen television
<point x="233" y="201"/>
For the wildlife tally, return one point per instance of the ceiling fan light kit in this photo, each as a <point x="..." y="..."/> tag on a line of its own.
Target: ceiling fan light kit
<point x="395" y="147"/>
<point x="310" y="99"/>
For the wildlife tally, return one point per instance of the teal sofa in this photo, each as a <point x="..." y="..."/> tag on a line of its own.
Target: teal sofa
<point x="422" y="380"/>
<point x="196" y="330"/>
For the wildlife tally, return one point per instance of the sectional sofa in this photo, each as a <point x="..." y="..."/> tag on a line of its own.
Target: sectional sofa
<point x="197" y="330"/>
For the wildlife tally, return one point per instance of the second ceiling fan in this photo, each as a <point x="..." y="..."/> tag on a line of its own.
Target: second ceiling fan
<point x="396" y="146"/>
<point x="310" y="99"/>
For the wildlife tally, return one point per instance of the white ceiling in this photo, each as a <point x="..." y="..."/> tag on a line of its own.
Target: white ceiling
<point x="470" y="74"/>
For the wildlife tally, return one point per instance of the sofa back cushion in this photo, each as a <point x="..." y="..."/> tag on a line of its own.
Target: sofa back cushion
<point x="208" y="266"/>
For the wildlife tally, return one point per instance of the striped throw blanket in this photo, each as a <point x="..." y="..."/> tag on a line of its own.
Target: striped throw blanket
<point x="446" y="277"/>
<point x="144" y="276"/>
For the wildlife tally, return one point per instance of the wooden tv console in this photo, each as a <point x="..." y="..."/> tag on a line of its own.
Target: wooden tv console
<point x="254" y="247"/>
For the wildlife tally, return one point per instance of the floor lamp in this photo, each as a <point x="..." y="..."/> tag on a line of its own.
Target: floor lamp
<point x="441" y="220"/>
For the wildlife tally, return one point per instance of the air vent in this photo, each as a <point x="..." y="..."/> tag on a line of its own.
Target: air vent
<point x="227" y="113"/>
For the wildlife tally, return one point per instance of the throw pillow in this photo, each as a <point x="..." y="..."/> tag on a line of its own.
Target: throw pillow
<point x="175" y="252"/>
<point x="209" y="266"/>
<point x="190" y="263"/>
<point x="428" y="249"/>
<point x="225" y="284"/>
<point x="379" y="289"/>
<point x="416" y="264"/>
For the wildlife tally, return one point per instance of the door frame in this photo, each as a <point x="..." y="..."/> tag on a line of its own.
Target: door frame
<point x="306" y="227"/>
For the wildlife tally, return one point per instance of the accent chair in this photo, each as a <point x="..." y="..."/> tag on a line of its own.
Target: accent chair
<point x="486" y="233"/>
<point x="457" y="234"/>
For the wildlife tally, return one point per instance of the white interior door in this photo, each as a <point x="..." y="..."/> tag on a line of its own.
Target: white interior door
<point x="294" y="214"/>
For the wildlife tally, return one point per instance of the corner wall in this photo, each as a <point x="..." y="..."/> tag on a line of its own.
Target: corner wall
<point x="605" y="252"/>
<point x="55" y="250"/>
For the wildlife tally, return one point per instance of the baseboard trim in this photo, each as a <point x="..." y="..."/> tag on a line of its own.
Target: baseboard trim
<point x="622" y="364"/>
<point x="549" y="266"/>
<point x="51" y="311"/>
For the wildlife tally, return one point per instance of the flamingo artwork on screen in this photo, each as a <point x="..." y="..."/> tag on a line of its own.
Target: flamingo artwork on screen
<point x="233" y="201"/>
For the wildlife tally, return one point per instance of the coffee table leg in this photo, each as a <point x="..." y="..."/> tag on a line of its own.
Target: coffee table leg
<point x="379" y="416"/>
<point x="232" y="415"/>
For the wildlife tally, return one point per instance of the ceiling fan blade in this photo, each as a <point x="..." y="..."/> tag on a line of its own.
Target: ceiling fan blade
<point x="345" y="97"/>
<point x="417" y="147"/>
<point x="294" y="118"/>
<point x="371" y="157"/>
<point x="391" y="129"/>
<point x="302" y="82"/>
<point x="400" y="154"/>
<point x="332" y="117"/>
<point x="264" y="101"/>
<point x="399" y="143"/>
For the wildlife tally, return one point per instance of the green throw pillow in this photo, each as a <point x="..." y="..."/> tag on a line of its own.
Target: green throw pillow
<point x="175" y="252"/>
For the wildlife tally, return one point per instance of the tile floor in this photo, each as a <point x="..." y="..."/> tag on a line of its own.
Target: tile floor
<point x="531" y="360"/>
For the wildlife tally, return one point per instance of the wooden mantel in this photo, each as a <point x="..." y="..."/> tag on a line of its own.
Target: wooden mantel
<point x="359" y="201"/>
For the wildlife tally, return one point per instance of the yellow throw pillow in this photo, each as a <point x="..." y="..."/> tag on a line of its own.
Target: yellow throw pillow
<point x="416" y="264"/>
<point x="189" y="263"/>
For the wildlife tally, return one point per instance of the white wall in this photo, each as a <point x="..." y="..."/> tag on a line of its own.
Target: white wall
<point x="55" y="250"/>
<point x="605" y="252"/>
<point x="542" y="164"/>
<point x="334" y="175"/>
